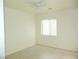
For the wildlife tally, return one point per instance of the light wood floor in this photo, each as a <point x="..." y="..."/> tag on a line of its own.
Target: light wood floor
<point x="41" y="52"/>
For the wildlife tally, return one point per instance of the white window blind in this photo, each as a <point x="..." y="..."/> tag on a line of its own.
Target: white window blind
<point x="49" y="27"/>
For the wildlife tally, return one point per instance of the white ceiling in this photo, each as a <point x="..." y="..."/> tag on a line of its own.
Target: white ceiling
<point x="42" y="5"/>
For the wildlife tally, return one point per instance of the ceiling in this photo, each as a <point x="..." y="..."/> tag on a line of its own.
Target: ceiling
<point x="42" y="5"/>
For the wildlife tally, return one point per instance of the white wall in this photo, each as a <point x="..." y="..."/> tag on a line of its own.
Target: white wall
<point x="66" y="30"/>
<point x="2" y="41"/>
<point x="20" y="30"/>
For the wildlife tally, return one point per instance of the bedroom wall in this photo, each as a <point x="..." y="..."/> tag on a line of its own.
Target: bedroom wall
<point x="19" y="29"/>
<point x="66" y="37"/>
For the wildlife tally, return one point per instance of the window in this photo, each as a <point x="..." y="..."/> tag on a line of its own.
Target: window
<point x="49" y="27"/>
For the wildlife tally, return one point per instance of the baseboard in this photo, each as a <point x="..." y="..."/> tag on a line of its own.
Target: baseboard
<point x="56" y="48"/>
<point x="18" y="51"/>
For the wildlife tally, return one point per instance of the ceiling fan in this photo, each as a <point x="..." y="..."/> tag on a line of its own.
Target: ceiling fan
<point x="36" y="3"/>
